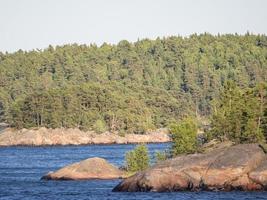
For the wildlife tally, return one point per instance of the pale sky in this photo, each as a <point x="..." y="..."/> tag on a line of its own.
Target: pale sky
<point x="31" y="24"/>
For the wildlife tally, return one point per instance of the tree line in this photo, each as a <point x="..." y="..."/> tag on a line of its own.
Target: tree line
<point x="133" y="87"/>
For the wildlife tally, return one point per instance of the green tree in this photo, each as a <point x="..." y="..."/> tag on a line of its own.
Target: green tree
<point x="238" y="115"/>
<point x="137" y="159"/>
<point x="134" y="87"/>
<point x="227" y="117"/>
<point x="184" y="137"/>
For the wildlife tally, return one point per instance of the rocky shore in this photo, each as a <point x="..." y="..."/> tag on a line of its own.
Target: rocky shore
<point x="62" y="136"/>
<point x="240" y="167"/>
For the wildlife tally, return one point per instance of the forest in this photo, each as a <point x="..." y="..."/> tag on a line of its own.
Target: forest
<point x="140" y="86"/>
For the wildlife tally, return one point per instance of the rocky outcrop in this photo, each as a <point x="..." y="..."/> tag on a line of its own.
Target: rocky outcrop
<point x="259" y="175"/>
<point x="92" y="168"/>
<point x="240" y="167"/>
<point x="61" y="136"/>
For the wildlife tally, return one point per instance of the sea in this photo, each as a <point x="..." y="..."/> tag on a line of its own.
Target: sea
<point x="22" y="167"/>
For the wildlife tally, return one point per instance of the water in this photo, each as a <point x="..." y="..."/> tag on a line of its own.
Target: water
<point x="22" y="167"/>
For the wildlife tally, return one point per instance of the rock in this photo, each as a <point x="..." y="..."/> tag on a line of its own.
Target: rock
<point x="259" y="175"/>
<point x="216" y="144"/>
<point x="232" y="164"/>
<point x="240" y="167"/>
<point x="74" y="136"/>
<point x="92" y="168"/>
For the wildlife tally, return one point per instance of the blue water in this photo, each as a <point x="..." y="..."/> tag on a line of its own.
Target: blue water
<point x="22" y="167"/>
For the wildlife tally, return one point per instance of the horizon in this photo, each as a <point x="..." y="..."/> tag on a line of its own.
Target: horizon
<point x="34" y="24"/>
<point x="132" y="42"/>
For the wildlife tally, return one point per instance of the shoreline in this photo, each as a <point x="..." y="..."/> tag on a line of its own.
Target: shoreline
<point x="80" y="145"/>
<point x="74" y="137"/>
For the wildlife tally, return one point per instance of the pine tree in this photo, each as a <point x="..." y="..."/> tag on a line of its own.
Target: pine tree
<point x="137" y="159"/>
<point x="184" y="136"/>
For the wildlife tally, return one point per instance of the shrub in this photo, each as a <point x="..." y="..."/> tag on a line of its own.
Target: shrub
<point x="137" y="159"/>
<point x="100" y="126"/>
<point x="161" y="156"/>
<point x="184" y="137"/>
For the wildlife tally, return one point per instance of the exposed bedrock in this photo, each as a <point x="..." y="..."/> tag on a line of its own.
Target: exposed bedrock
<point x="240" y="167"/>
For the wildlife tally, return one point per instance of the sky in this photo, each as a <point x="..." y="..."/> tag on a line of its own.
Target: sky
<point x="32" y="24"/>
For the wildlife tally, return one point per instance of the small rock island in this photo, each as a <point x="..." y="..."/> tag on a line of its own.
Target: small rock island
<point x="91" y="168"/>
<point x="240" y="167"/>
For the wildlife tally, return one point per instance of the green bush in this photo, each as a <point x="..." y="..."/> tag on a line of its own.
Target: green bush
<point x="184" y="137"/>
<point x="100" y="126"/>
<point x="160" y="156"/>
<point x="137" y="159"/>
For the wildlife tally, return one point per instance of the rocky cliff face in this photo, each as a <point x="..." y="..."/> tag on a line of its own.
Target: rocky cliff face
<point x="92" y="168"/>
<point x="44" y="136"/>
<point x="240" y="167"/>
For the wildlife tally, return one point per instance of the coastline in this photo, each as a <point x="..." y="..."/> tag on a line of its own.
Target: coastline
<point x="74" y="136"/>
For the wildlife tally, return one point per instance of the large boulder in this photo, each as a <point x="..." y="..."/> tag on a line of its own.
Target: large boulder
<point x="240" y="167"/>
<point x="92" y="168"/>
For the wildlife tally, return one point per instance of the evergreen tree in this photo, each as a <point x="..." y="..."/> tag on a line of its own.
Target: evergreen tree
<point x="137" y="159"/>
<point x="184" y="136"/>
<point x="134" y="87"/>
<point x="237" y="115"/>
